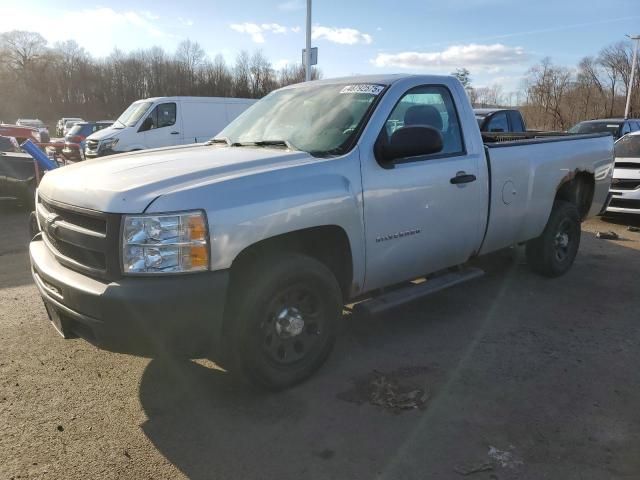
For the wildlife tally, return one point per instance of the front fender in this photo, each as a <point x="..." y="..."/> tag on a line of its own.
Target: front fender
<point x="246" y="210"/>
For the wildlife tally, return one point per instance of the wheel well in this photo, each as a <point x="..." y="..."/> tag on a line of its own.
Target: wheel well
<point x="578" y="189"/>
<point x="328" y="244"/>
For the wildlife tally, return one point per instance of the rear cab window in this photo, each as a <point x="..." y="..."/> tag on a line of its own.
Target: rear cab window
<point x="498" y="123"/>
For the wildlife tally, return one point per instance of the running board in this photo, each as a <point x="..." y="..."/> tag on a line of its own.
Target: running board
<point x="411" y="292"/>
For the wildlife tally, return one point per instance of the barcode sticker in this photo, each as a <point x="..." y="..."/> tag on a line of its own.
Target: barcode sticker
<point x="363" y="88"/>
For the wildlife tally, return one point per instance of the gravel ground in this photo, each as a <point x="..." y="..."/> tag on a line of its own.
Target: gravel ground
<point x="512" y="376"/>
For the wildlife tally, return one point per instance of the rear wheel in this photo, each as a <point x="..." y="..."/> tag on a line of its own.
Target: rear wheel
<point x="283" y="319"/>
<point x="552" y="254"/>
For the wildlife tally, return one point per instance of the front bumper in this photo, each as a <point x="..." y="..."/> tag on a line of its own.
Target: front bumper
<point x="102" y="152"/>
<point x="147" y="316"/>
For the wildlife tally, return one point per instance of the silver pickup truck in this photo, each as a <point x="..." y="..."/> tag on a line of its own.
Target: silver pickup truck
<point x="322" y="194"/>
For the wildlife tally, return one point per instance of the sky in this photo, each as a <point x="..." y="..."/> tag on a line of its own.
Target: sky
<point x="496" y="40"/>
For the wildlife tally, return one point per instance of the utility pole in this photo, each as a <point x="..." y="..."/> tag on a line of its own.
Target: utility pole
<point x="307" y="53"/>
<point x="633" y="72"/>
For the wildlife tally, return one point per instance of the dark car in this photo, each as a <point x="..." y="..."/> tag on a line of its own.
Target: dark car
<point x="18" y="177"/>
<point x="617" y="127"/>
<point x="500" y="120"/>
<point x="74" y="140"/>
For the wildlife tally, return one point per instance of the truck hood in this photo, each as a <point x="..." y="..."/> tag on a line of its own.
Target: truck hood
<point x="129" y="182"/>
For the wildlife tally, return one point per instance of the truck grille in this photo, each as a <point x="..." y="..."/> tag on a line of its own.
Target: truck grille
<point x="627" y="165"/>
<point x="92" y="144"/>
<point x="83" y="240"/>
<point x="618" y="202"/>
<point x="625" y="184"/>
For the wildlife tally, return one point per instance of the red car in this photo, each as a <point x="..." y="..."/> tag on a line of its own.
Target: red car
<point x="20" y="133"/>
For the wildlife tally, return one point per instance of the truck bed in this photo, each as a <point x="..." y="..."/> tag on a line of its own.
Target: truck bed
<point x="525" y="171"/>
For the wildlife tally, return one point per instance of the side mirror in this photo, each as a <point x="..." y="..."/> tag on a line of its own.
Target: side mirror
<point x="412" y="141"/>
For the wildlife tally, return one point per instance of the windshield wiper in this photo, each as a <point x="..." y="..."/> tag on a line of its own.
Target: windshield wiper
<point x="224" y="140"/>
<point x="266" y="143"/>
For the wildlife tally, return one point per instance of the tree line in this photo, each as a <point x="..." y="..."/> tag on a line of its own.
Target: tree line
<point x="558" y="97"/>
<point x="45" y="82"/>
<point x="555" y="97"/>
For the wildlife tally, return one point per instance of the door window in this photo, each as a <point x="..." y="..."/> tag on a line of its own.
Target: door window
<point x="163" y="115"/>
<point x="498" y="123"/>
<point x="431" y="106"/>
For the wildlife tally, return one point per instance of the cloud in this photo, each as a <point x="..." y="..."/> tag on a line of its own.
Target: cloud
<point x="291" y="5"/>
<point x="295" y="29"/>
<point x="98" y="29"/>
<point x="185" y="22"/>
<point x="471" y="55"/>
<point x="344" y="36"/>
<point x="257" y="31"/>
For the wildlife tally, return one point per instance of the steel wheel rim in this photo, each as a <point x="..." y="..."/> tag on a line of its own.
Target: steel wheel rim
<point x="293" y="326"/>
<point x="562" y="240"/>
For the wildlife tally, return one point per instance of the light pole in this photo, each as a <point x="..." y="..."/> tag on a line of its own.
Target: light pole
<point x="633" y="73"/>
<point x="307" y="52"/>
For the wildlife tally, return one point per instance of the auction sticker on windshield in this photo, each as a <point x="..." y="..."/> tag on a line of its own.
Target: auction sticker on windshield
<point x="363" y="88"/>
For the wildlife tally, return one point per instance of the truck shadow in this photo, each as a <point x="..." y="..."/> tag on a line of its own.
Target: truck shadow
<point x="209" y="426"/>
<point x="14" y="246"/>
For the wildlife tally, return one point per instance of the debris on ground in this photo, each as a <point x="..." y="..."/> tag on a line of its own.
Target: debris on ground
<point x="504" y="458"/>
<point x="631" y="228"/>
<point x="397" y="391"/>
<point x="610" y="235"/>
<point x="475" y="468"/>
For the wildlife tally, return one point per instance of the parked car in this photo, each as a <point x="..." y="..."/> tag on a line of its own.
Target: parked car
<point x="615" y="126"/>
<point x="247" y="247"/>
<point x="17" y="173"/>
<point x="62" y="123"/>
<point x="68" y="125"/>
<point x="165" y="121"/>
<point x="20" y="133"/>
<point x="37" y="124"/>
<point x="500" y="120"/>
<point x="625" y="186"/>
<point x="74" y="141"/>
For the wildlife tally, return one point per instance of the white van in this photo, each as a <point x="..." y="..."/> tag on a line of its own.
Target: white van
<point x="165" y="121"/>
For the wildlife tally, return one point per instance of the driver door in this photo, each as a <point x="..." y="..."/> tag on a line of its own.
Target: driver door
<point x="160" y="128"/>
<point x="417" y="218"/>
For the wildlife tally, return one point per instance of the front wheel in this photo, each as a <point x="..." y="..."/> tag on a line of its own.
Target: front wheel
<point x="552" y="253"/>
<point x="283" y="319"/>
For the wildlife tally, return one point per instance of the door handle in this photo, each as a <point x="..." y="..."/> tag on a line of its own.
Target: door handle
<point x="463" y="177"/>
<point x="174" y="133"/>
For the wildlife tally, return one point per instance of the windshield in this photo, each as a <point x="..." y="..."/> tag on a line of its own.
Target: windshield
<point x="132" y="114"/>
<point x="628" y="146"/>
<point x="596" y="127"/>
<point x="319" y="119"/>
<point x="76" y="129"/>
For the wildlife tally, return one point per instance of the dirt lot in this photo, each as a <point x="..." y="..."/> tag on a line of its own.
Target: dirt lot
<point x="515" y="375"/>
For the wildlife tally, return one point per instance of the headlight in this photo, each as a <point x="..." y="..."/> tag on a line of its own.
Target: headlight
<point x="109" y="143"/>
<point x="168" y="243"/>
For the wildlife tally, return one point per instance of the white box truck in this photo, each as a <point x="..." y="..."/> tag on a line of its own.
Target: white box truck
<point x="165" y="121"/>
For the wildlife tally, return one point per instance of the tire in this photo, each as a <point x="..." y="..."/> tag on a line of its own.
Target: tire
<point x="283" y="319"/>
<point x="552" y="254"/>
